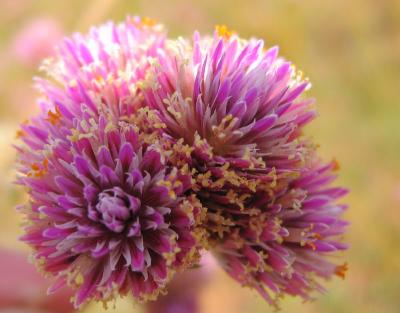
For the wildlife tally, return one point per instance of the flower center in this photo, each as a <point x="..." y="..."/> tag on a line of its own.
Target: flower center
<point x="116" y="208"/>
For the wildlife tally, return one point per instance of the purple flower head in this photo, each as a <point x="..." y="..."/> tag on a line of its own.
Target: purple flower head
<point x="238" y="114"/>
<point x="147" y="150"/>
<point x="237" y="108"/>
<point x="107" y="213"/>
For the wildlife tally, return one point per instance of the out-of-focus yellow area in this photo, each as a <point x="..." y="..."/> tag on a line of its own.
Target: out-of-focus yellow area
<point x="350" y="50"/>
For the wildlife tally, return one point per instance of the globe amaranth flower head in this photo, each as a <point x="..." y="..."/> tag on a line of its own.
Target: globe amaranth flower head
<point x="238" y="111"/>
<point x="150" y="149"/>
<point x="238" y="108"/>
<point x="107" y="214"/>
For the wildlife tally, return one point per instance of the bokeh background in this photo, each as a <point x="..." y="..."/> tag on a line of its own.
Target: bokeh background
<point x="350" y="50"/>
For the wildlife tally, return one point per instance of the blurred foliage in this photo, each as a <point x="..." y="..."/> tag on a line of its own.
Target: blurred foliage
<point x="350" y="50"/>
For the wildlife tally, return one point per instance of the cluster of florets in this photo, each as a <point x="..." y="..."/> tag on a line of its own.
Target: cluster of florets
<point x="148" y="150"/>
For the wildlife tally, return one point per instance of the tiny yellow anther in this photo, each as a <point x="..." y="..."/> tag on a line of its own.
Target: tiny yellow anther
<point x="223" y="31"/>
<point x="54" y="117"/>
<point x="341" y="270"/>
<point x="147" y="21"/>
<point x="335" y="165"/>
<point x="20" y="133"/>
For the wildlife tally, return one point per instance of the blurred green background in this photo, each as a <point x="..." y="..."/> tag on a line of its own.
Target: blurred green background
<point x="350" y="50"/>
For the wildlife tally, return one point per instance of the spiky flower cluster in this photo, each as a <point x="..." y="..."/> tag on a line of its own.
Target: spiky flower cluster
<point x="148" y="150"/>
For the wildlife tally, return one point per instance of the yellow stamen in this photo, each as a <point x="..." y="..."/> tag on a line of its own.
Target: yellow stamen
<point x="39" y="170"/>
<point x="35" y="167"/>
<point x="317" y="236"/>
<point x="336" y="165"/>
<point x="168" y="185"/>
<point x="149" y="22"/>
<point x="79" y="279"/>
<point x="312" y="245"/>
<point x="223" y="31"/>
<point x="20" y="133"/>
<point x="45" y="164"/>
<point x="341" y="270"/>
<point x="54" y="117"/>
<point x="99" y="79"/>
